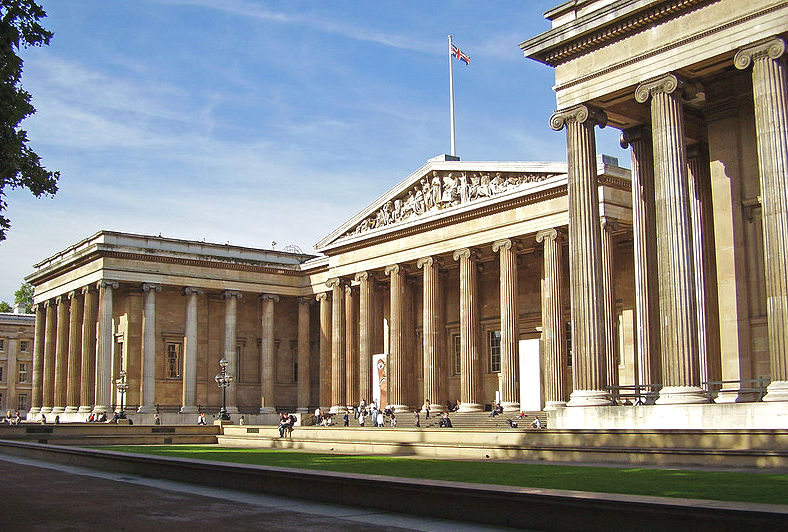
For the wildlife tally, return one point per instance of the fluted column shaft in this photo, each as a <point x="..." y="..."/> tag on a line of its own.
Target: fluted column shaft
<point x="397" y="381"/>
<point x="365" y="335"/>
<point x="432" y="334"/>
<point x="74" y="351"/>
<point x="770" y="92"/>
<point x="351" y="347"/>
<point x="103" y="384"/>
<point x="61" y="354"/>
<point x="87" y="394"/>
<point x="553" y="327"/>
<point x="649" y="362"/>
<point x="325" y="349"/>
<point x="677" y="302"/>
<point x="189" y="397"/>
<point x="470" y="360"/>
<point x="585" y="255"/>
<point x="509" y="377"/>
<point x="609" y="295"/>
<point x="267" y="403"/>
<point x="231" y="298"/>
<point x="338" y="345"/>
<point x="38" y="359"/>
<point x="304" y="369"/>
<point x="148" y="381"/>
<point x="48" y="386"/>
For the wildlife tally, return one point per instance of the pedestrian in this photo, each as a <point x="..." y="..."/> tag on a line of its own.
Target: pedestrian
<point x="426" y="409"/>
<point x="156" y="419"/>
<point x="242" y="421"/>
<point x="201" y="419"/>
<point x="381" y="421"/>
<point x="393" y="420"/>
<point x="345" y="419"/>
<point x="416" y="418"/>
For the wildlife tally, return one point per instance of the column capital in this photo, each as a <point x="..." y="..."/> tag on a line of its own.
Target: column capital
<point x="60" y="298"/>
<point x="188" y="290"/>
<point x="49" y="303"/>
<point x="268" y="297"/>
<point x="335" y="281"/>
<point x="429" y="261"/>
<point x="772" y="47"/>
<point x="503" y="244"/>
<point x="362" y="276"/>
<point x="548" y="234"/>
<point x="348" y="288"/>
<point x="322" y="296"/>
<point x="34" y="308"/>
<point x="465" y="253"/>
<point x="227" y="294"/>
<point x="306" y="300"/>
<point x="107" y="284"/>
<point x="86" y="289"/>
<point x="579" y="114"/>
<point x="667" y="83"/>
<point x="609" y="224"/>
<point x="632" y="135"/>
<point x="393" y="268"/>
<point x="147" y="287"/>
<point x="74" y="293"/>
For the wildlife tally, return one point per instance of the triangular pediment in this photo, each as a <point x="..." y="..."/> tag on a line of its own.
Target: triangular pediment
<point x="439" y="189"/>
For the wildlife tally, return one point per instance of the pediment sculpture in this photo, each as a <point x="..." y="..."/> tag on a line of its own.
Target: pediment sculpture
<point x="440" y="190"/>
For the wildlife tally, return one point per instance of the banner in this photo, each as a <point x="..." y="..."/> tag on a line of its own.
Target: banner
<point x="379" y="379"/>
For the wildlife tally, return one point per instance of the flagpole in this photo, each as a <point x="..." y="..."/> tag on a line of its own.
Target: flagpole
<point x="451" y="99"/>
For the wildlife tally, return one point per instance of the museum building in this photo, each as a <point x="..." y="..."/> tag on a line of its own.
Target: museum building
<point x="539" y="285"/>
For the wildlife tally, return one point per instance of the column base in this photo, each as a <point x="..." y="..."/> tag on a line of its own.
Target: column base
<point x="470" y="407"/>
<point x="231" y="409"/>
<point x="35" y="410"/>
<point x="681" y="395"/>
<point x="734" y="396"/>
<point x="267" y="410"/>
<point x="400" y="409"/>
<point x="337" y="409"/>
<point x="589" y="398"/>
<point x="71" y="409"/>
<point x="510" y="406"/>
<point x="189" y="409"/>
<point x="100" y="408"/>
<point x="58" y="409"/>
<point x="303" y="410"/>
<point x="84" y="409"/>
<point x="146" y="409"/>
<point x="776" y="391"/>
<point x="554" y="405"/>
<point x="45" y="409"/>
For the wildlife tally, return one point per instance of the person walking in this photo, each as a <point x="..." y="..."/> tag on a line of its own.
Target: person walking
<point x="416" y="418"/>
<point x="426" y="408"/>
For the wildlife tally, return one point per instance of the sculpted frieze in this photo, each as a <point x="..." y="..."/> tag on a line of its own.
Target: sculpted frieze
<point x="440" y="190"/>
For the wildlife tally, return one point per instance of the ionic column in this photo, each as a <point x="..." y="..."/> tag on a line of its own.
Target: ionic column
<point x="338" y="376"/>
<point x="267" y="403"/>
<point x="509" y="376"/>
<point x="74" y="352"/>
<point x="609" y="295"/>
<point x="38" y="359"/>
<point x="303" y="355"/>
<point x="677" y="303"/>
<point x="365" y="334"/>
<point x="325" y="349"/>
<point x="397" y="371"/>
<point x="148" y="381"/>
<point x="189" y="399"/>
<point x="432" y="333"/>
<point x="585" y="255"/>
<point x="470" y="362"/>
<point x="88" y="366"/>
<point x="649" y="363"/>
<point x="61" y="355"/>
<point x="351" y="348"/>
<point x="50" y="339"/>
<point x="231" y="298"/>
<point x="103" y="394"/>
<point x="770" y="92"/>
<point x="553" y="328"/>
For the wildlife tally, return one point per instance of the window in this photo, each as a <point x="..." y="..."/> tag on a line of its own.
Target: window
<point x="569" y="345"/>
<point x="238" y="358"/>
<point x="22" y="372"/>
<point x="24" y="346"/>
<point x="2" y="406"/>
<point x="495" y="351"/>
<point x="173" y="360"/>
<point x="294" y="353"/>
<point x="1" y="373"/>
<point x="2" y="344"/>
<point x="457" y="354"/>
<point x="22" y="402"/>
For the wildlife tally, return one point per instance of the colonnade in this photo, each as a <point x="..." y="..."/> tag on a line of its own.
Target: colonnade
<point x="671" y="210"/>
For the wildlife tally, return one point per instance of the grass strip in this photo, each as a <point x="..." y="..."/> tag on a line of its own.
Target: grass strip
<point x="771" y="488"/>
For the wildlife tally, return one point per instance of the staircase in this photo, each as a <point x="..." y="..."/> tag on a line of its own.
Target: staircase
<point x="465" y="420"/>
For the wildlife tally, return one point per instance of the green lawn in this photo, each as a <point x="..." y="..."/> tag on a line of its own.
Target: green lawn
<point x="723" y="486"/>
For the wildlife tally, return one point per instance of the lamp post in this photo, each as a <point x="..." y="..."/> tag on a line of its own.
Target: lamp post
<point x="223" y="380"/>
<point x="122" y="386"/>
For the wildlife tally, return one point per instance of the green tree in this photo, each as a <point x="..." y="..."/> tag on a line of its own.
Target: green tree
<point x="24" y="297"/>
<point x="20" y="166"/>
<point x="5" y="307"/>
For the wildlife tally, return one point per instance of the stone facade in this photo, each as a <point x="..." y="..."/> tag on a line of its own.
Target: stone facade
<point x="16" y="361"/>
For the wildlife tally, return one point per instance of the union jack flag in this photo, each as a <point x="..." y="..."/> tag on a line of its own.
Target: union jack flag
<point x="456" y="52"/>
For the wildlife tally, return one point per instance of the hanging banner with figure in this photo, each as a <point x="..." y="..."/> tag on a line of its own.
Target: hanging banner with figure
<point x="379" y="379"/>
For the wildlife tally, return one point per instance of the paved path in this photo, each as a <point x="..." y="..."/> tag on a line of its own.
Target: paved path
<point x="38" y="496"/>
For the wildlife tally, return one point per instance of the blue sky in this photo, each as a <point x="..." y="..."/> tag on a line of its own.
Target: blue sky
<point x="251" y="122"/>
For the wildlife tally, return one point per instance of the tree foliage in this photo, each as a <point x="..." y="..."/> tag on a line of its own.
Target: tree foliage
<point x="20" y="166"/>
<point x="5" y="307"/>
<point x="24" y="297"/>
